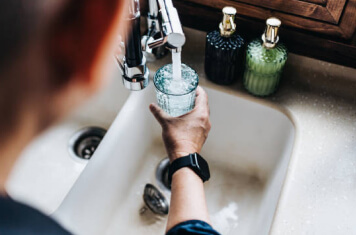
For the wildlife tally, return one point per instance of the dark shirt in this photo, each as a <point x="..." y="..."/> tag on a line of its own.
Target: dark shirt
<point x="192" y="227"/>
<point x="19" y="219"/>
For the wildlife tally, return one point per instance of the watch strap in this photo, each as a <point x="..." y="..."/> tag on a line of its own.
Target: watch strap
<point x="190" y="161"/>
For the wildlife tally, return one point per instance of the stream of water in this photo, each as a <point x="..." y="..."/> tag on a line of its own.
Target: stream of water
<point x="177" y="65"/>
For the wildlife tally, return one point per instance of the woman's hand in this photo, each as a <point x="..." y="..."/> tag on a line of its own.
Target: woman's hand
<point x="187" y="133"/>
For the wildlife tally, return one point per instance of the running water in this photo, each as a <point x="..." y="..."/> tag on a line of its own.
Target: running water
<point x="177" y="65"/>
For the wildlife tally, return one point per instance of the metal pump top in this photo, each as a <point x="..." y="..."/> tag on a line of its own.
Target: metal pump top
<point x="270" y="37"/>
<point x="227" y="26"/>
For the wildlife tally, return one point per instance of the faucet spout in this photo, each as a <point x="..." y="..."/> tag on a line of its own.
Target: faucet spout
<point x="172" y="34"/>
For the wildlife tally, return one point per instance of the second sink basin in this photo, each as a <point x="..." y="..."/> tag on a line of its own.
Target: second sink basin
<point x="248" y="150"/>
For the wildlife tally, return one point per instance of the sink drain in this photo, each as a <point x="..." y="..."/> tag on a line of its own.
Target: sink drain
<point x="154" y="200"/>
<point x="83" y="143"/>
<point x="162" y="174"/>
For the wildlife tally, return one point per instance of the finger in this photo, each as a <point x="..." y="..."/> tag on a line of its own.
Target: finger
<point x="159" y="114"/>
<point x="201" y="100"/>
<point x="199" y="95"/>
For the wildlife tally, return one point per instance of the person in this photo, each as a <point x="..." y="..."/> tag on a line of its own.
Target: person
<point x="54" y="55"/>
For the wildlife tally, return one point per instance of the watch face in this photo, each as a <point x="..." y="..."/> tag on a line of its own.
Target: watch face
<point x="203" y="167"/>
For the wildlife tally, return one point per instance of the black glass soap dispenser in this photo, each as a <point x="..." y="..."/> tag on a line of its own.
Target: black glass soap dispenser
<point x="224" y="51"/>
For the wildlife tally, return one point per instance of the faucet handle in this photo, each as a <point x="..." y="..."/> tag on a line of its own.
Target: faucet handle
<point x="158" y="42"/>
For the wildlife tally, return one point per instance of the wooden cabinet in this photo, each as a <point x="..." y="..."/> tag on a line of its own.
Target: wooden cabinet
<point x="324" y="10"/>
<point x="324" y="29"/>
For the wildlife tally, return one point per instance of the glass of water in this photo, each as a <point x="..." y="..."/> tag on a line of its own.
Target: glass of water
<point x="176" y="96"/>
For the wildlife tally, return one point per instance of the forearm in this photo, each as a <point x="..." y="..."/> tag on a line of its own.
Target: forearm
<point x="188" y="198"/>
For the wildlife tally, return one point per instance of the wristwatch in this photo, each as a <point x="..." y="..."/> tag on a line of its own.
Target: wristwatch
<point x="195" y="162"/>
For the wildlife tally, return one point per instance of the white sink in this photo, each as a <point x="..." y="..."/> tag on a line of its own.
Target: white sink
<point x="45" y="172"/>
<point x="248" y="150"/>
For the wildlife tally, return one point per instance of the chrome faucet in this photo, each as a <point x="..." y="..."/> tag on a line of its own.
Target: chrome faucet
<point x="135" y="74"/>
<point x="165" y="32"/>
<point x="169" y="32"/>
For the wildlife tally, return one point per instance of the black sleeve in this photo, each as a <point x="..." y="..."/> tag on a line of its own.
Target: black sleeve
<point x="192" y="227"/>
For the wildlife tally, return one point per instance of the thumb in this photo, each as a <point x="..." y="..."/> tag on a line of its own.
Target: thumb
<point x="159" y="114"/>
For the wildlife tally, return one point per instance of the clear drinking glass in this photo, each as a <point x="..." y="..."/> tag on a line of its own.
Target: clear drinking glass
<point x="176" y="96"/>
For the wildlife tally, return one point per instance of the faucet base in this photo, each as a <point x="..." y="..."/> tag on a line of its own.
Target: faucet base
<point x="136" y="83"/>
<point x="135" y="78"/>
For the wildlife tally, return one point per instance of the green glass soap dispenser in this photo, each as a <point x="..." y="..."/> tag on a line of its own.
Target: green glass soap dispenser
<point x="265" y="60"/>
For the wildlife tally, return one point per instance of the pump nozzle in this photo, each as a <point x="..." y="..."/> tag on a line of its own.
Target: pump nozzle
<point x="228" y="26"/>
<point x="270" y="37"/>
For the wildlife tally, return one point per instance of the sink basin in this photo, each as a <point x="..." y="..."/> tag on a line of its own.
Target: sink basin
<point x="248" y="150"/>
<point x="45" y="172"/>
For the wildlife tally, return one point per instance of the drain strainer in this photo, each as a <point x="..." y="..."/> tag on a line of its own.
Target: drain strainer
<point x="83" y="143"/>
<point x="154" y="200"/>
<point x="162" y="174"/>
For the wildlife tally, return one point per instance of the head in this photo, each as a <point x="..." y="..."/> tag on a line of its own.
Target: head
<point x="54" y="55"/>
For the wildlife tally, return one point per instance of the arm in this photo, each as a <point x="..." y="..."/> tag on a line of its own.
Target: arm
<point x="188" y="199"/>
<point x="183" y="135"/>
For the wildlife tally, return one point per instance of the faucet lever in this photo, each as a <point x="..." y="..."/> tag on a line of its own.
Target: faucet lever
<point x="157" y="43"/>
<point x="153" y="32"/>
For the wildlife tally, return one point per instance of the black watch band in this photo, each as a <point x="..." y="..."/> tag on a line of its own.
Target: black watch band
<point x="195" y="162"/>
